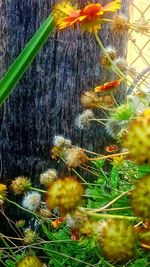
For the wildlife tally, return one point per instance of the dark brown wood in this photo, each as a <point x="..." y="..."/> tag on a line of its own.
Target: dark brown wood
<point x="47" y="99"/>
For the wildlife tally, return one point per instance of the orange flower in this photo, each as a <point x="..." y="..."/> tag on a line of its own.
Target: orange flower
<point x="89" y="17"/>
<point x="108" y="86"/>
<point x="57" y="222"/>
<point x="65" y="15"/>
<point x="111" y="148"/>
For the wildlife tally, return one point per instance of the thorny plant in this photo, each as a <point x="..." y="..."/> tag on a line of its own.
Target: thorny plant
<point x="103" y="220"/>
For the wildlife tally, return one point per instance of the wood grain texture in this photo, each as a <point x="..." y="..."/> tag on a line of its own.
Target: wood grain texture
<point x="47" y="99"/>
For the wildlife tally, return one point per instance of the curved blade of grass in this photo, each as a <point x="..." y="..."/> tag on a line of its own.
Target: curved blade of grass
<point x="23" y="61"/>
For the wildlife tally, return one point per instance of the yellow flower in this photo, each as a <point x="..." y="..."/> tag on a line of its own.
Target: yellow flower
<point x="118" y="160"/>
<point x="64" y="194"/>
<point x="65" y="14"/>
<point x="89" y="18"/>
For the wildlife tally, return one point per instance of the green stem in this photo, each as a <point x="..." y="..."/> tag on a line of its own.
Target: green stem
<point x="3" y="263"/>
<point x="144" y="235"/>
<point x="110" y="156"/>
<point x="4" y="241"/>
<point x="20" y="207"/>
<point x="116" y="69"/>
<point x="108" y="216"/>
<point x="99" y="256"/>
<point x="99" y="121"/>
<point x="111" y="202"/>
<point x="38" y="189"/>
<point x="114" y="66"/>
<point x="114" y="100"/>
<point x="82" y="179"/>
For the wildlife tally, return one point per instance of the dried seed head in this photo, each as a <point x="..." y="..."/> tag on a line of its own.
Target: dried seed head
<point x="142" y="25"/>
<point x="60" y="141"/>
<point x="90" y="99"/>
<point x="20" y="185"/>
<point x="107" y="100"/>
<point x="113" y="127"/>
<point x="111" y="51"/>
<point x="121" y="63"/>
<point x="64" y="194"/>
<point x="84" y="119"/>
<point x="120" y="24"/>
<point x="48" y="177"/>
<point x="140" y="198"/>
<point x="31" y="201"/>
<point x="44" y="213"/>
<point x="75" y="157"/>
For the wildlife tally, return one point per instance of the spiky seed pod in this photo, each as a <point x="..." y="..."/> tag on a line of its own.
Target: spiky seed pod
<point x="75" y="157"/>
<point x="141" y="197"/>
<point x="44" y="213"/>
<point x="90" y="99"/>
<point x="57" y="152"/>
<point x="20" y="185"/>
<point x="29" y="237"/>
<point x="30" y="261"/>
<point x="60" y="141"/>
<point x="84" y="119"/>
<point x="124" y="112"/>
<point x="65" y="194"/>
<point x="118" y="240"/>
<point x="137" y="140"/>
<point x="120" y="24"/>
<point x="48" y="177"/>
<point x="20" y="223"/>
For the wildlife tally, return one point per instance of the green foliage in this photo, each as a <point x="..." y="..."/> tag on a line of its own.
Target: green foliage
<point x="63" y="250"/>
<point x="124" y="112"/>
<point x="26" y="57"/>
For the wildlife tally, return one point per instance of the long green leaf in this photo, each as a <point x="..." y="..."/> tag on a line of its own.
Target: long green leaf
<point x="23" y="61"/>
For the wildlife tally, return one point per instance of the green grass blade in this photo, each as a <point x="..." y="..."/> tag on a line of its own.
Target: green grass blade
<point x="23" y="61"/>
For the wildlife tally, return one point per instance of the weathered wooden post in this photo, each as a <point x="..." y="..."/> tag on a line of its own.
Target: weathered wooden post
<point x="47" y="99"/>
